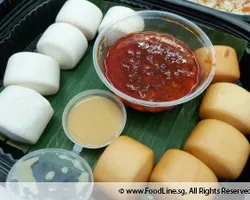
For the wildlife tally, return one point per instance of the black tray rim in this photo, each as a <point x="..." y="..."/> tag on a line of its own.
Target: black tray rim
<point x="237" y="26"/>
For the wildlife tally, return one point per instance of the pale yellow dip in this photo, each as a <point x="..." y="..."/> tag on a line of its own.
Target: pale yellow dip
<point x="95" y="121"/>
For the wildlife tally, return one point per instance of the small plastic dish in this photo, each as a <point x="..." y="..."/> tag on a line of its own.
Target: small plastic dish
<point x="78" y="98"/>
<point x="51" y="166"/>
<point x="162" y="22"/>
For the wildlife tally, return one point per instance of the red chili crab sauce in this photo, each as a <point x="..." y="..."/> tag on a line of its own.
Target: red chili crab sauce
<point x="152" y="67"/>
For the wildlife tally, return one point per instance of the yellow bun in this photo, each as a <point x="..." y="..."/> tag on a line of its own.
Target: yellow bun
<point x="179" y="170"/>
<point x="227" y="66"/>
<point x="227" y="102"/>
<point x="125" y="160"/>
<point x="220" y="146"/>
<point x="180" y="166"/>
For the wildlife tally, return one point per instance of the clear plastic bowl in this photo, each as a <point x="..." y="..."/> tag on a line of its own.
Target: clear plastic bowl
<point x="51" y="166"/>
<point x="162" y="22"/>
<point x="78" y="98"/>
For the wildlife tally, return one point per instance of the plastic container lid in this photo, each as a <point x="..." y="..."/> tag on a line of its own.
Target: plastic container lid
<point x="52" y="166"/>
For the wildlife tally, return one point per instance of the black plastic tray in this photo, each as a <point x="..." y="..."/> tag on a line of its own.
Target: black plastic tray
<point x="23" y="25"/>
<point x="6" y="6"/>
<point x="6" y="162"/>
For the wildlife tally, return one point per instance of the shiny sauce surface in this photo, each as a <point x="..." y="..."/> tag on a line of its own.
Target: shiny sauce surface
<point x="152" y="67"/>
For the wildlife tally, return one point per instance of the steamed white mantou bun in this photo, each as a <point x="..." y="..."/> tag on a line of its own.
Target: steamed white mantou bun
<point x="33" y="70"/>
<point x="114" y="14"/>
<point x="63" y="42"/>
<point x="125" y="26"/>
<point x="82" y="14"/>
<point x="24" y="114"/>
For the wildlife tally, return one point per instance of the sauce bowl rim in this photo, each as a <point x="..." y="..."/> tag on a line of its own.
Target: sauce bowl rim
<point x="154" y="15"/>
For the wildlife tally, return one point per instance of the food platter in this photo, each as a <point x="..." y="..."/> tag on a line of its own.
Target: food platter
<point x="210" y="9"/>
<point x="87" y="59"/>
<point x="160" y="131"/>
<point x="238" y="8"/>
